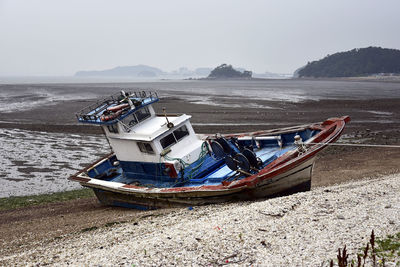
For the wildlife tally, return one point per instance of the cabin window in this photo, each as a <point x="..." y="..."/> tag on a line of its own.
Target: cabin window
<point x="142" y="114"/>
<point x="167" y="141"/>
<point x="131" y="120"/>
<point x="145" y="147"/>
<point x="136" y="117"/>
<point x="174" y="137"/>
<point x="113" y="128"/>
<point x="181" y="132"/>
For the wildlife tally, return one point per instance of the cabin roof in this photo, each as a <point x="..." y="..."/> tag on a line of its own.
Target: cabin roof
<point x="152" y="128"/>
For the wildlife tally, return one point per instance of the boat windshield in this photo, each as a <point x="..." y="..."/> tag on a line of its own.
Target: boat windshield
<point x="142" y="114"/>
<point x="174" y="137"/>
<point x="136" y="117"/>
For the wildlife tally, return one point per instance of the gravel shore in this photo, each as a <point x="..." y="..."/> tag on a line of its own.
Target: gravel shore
<point x="304" y="229"/>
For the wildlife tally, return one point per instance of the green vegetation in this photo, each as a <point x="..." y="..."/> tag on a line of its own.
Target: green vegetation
<point x="389" y="248"/>
<point x="9" y="203"/>
<point x="376" y="253"/>
<point x="357" y="62"/>
<point x="227" y="71"/>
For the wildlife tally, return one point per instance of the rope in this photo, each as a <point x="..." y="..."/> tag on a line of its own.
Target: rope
<point x="195" y="169"/>
<point x="356" y="145"/>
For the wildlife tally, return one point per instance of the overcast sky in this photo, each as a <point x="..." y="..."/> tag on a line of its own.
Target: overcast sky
<point x="60" y="37"/>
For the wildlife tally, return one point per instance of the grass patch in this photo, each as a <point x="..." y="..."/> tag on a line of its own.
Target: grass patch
<point x="389" y="247"/>
<point x="9" y="203"/>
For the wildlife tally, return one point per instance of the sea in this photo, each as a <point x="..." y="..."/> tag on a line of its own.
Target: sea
<point x="34" y="162"/>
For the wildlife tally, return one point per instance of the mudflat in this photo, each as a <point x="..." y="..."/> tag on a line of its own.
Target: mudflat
<point x="373" y="122"/>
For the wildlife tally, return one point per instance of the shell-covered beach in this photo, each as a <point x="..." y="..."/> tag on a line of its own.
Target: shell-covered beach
<point x="304" y="229"/>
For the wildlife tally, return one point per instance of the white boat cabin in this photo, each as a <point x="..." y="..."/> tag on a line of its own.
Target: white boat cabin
<point x="138" y="134"/>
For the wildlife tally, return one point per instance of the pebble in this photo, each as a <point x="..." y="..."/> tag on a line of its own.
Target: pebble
<point x="340" y="217"/>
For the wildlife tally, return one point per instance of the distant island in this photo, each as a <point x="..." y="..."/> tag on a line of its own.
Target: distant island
<point x="143" y="71"/>
<point x="354" y="63"/>
<point x="225" y="71"/>
<point x="127" y="71"/>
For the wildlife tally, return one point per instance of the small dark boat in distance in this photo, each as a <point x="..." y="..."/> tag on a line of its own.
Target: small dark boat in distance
<point x="159" y="161"/>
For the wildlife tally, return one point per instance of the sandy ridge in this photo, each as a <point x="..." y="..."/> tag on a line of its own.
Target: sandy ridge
<point x="304" y="229"/>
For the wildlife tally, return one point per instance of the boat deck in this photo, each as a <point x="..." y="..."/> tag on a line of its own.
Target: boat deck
<point x="224" y="173"/>
<point x="216" y="176"/>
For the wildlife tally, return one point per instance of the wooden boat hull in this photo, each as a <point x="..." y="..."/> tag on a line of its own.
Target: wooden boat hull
<point x="289" y="173"/>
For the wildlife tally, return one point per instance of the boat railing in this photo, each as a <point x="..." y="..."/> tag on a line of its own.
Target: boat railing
<point x="93" y="112"/>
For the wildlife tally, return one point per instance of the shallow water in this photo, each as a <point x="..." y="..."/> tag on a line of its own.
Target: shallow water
<point x="39" y="162"/>
<point x="219" y="93"/>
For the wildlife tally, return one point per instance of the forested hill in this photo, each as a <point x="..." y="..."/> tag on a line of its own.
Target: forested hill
<point x="225" y="71"/>
<point x="357" y="62"/>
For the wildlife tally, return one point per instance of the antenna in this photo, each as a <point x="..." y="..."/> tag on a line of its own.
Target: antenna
<point x="169" y="124"/>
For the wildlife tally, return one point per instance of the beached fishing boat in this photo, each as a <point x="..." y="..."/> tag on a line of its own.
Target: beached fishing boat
<point x="159" y="161"/>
